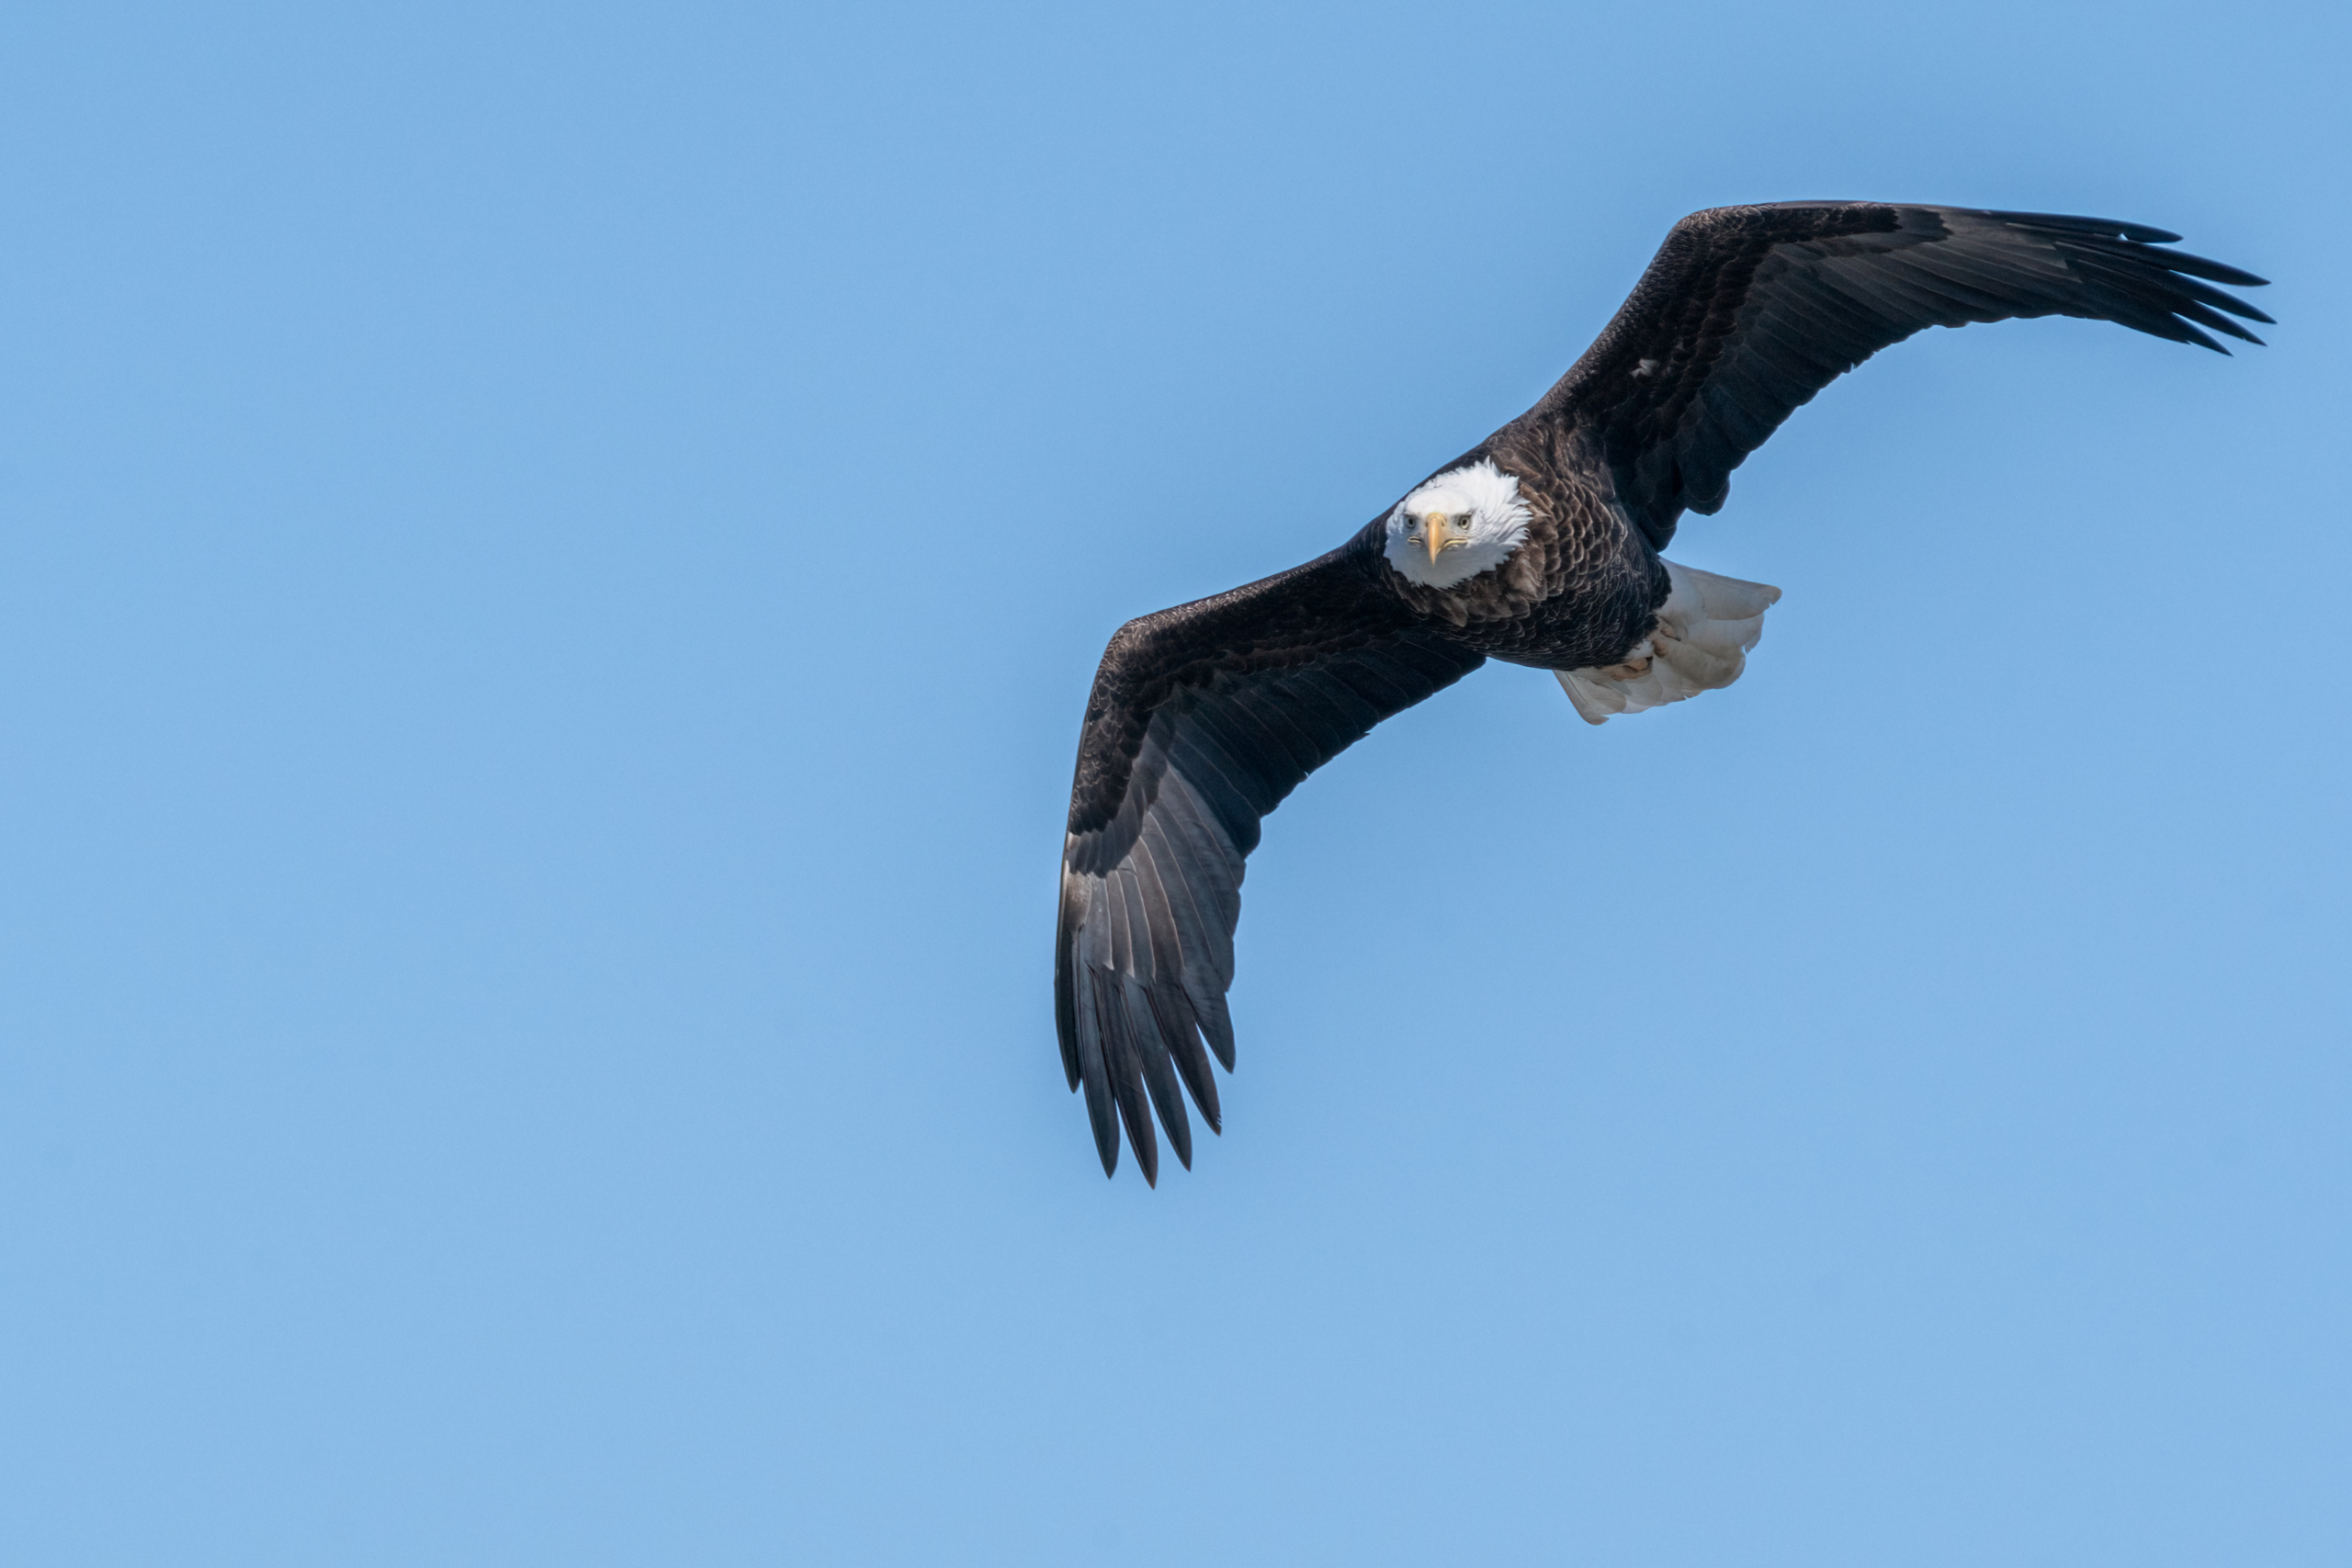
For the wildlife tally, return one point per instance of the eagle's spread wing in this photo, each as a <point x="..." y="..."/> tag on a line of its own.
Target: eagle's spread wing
<point x="1747" y="312"/>
<point x="1202" y="718"/>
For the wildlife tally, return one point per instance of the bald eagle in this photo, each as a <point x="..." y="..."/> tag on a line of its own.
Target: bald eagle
<point x="1538" y="547"/>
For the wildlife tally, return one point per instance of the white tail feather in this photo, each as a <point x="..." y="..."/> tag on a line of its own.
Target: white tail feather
<point x="1704" y="631"/>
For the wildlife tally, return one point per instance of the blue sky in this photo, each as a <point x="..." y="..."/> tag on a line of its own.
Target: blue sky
<point x="551" y="558"/>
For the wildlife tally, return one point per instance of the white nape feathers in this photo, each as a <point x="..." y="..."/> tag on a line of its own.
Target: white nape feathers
<point x="1478" y="519"/>
<point x="1704" y="630"/>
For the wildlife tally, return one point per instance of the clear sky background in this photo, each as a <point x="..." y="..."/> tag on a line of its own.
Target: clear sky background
<point x="552" y="559"/>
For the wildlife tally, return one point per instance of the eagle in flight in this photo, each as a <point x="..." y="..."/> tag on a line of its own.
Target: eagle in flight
<point x="1539" y="546"/>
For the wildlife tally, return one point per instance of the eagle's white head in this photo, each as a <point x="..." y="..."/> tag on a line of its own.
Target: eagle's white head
<point x="1460" y="523"/>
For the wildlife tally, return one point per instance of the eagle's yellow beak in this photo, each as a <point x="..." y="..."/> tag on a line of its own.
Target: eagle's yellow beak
<point x="1433" y="534"/>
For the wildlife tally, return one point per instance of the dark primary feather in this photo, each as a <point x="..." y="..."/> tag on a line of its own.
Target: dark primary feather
<point x="1747" y="312"/>
<point x="1202" y="718"/>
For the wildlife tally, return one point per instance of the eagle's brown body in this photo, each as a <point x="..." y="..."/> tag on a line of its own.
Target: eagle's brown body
<point x="1583" y="589"/>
